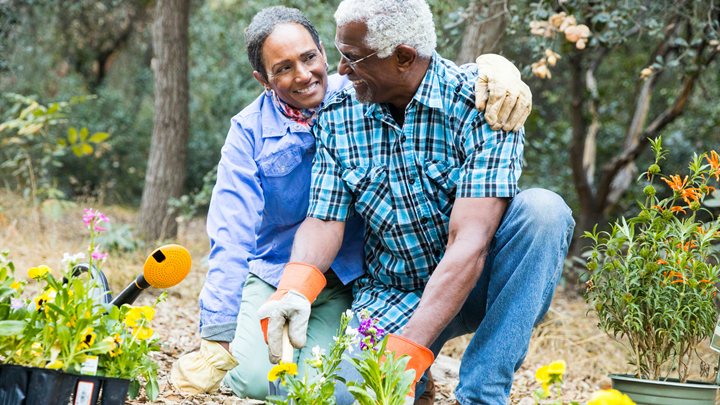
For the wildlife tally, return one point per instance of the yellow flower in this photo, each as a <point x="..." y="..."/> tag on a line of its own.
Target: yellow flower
<point x="36" y="349"/>
<point x="610" y="397"/>
<point x="116" y="342"/>
<point x="38" y="272"/>
<point x="282" y="369"/>
<point x="16" y="285"/>
<point x="55" y="365"/>
<point x="143" y="333"/>
<point x="557" y="367"/>
<point x="542" y="376"/>
<point x="137" y="313"/>
<point x="44" y="298"/>
<point x="88" y="338"/>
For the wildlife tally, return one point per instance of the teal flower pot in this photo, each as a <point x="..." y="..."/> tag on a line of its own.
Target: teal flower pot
<point x="667" y="392"/>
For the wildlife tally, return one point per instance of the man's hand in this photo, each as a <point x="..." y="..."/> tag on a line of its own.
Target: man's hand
<point x="299" y="286"/>
<point x="500" y="91"/>
<point x="420" y="357"/>
<point x="202" y="371"/>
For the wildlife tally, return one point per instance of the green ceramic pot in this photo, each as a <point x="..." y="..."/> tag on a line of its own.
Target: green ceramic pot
<point x="667" y="392"/>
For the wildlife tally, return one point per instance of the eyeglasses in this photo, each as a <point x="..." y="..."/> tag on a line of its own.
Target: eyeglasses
<point x="351" y="62"/>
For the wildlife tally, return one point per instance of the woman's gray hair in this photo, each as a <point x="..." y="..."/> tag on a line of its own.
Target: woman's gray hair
<point x="391" y="23"/>
<point x="263" y="24"/>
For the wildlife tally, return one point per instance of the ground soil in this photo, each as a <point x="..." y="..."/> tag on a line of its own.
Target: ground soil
<point x="568" y="331"/>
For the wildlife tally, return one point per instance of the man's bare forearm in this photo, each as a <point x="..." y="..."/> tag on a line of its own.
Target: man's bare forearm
<point x="317" y="242"/>
<point x="459" y="270"/>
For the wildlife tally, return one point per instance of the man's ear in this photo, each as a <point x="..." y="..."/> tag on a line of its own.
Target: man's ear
<point x="261" y="79"/>
<point x="405" y="57"/>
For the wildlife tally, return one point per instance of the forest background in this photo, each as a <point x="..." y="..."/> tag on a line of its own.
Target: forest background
<point x="585" y="139"/>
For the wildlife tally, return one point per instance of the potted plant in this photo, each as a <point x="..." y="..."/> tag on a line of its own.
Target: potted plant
<point x="67" y="342"/>
<point x="652" y="278"/>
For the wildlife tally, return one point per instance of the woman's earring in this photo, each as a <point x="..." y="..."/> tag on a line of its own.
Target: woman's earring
<point x="327" y="67"/>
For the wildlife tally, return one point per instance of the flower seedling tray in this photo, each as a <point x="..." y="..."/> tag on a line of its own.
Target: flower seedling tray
<point x="21" y="385"/>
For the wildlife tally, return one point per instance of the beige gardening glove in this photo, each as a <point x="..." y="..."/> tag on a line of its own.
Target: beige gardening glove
<point x="202" y="371"/>
<point x="499" y="91"/>
<point x="299" y="286"/>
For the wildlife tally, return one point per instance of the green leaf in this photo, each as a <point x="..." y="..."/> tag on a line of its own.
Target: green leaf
<point x="12" y="328"/>
<point x="134" y="389"/>
<point x="72" y="136"/>
<point x="61" y="142"/>
<point x="77" y="151"/>
<point x="83" y="134"/>
<point x="98" y="137"/>
<point x="5" y="291"/>
<point x="152" y="389"/>
<point x="87" y="149"/>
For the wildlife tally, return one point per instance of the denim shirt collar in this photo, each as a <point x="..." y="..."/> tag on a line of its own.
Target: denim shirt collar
<point x="276" y="124"/>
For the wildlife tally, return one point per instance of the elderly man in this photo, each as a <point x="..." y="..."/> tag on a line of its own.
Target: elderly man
<point x="451" y="245"/>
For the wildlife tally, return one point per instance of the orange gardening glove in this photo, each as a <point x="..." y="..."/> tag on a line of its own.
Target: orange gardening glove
<point x="420" y="356"/>
<point x="299" y="285"/>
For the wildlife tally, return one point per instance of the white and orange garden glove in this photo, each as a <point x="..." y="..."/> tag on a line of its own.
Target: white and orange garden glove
<point x="202" y="371"/>
<point x="299" y="285"/>
<point x="500" y="91"/>
<point x="420" y="356"/>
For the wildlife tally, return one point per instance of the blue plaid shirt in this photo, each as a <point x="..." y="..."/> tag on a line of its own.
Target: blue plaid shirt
<point x="403" y="181"/>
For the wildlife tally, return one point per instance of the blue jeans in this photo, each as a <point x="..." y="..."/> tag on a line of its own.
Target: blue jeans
<point x="514" y="291"/>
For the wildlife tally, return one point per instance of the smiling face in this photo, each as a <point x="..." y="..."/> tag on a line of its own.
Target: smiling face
<point x="294" y="66"/>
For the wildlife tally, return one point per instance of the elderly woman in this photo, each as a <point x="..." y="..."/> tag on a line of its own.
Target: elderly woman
<point x="260" y="199"/>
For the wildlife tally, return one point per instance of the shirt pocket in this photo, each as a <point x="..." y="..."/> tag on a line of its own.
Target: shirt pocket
<point x="441" y="184"/>
<point x="373" y="197"/>
<point x="285" y="179"/>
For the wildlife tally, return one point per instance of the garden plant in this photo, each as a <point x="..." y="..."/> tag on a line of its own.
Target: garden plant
<point x="385" y="380"/>
<point x="652" y="277"/>
<point x="67" y="327"/>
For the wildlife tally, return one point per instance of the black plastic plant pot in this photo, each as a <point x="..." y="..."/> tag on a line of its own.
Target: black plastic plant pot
<point x="13" y="384"/>
<point x="114" y="391"/>
<point x="49" y="387"/>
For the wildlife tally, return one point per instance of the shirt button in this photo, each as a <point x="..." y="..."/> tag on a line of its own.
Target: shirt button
<point x="297" y="127"/>
<point x="412" y="180"/>
<point x="403" y="138"/>
<point x="423" y="220"/>
<point x="282" y="169"/>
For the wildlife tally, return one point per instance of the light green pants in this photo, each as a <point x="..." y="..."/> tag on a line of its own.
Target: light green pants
<point x="250" y="378"/>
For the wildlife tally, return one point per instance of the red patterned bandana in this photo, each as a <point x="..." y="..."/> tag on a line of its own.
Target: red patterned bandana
<point x="305" y="117"/>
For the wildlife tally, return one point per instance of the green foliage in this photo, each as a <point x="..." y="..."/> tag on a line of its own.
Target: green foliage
<point x="119" y="238"/>
<point x="652" y="277"/>
<point x="32" y="146"/>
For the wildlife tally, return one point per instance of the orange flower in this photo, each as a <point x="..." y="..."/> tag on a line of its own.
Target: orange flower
<point x="677" y="281"/>
<point x="705" y="281"/>
<point x="677" y="209"/>
<point x="676" y="184"/>
<point x="714" y="161"/>
<point x="693" y="193"/>
<point x="661" y="261"/>
<point x="710" y="190"/>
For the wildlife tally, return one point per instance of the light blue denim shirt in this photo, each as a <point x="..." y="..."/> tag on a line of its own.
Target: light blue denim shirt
<point x="260" y="199"/>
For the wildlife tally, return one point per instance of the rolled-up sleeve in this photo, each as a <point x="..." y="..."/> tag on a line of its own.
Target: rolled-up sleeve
<point x="330" y="199"/>
<point x="494" y="161"/>
<point x="234" y="214"/>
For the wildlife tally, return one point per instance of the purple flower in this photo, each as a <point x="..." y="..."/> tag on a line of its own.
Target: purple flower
<point x="15" y="303"/>
<point x="371" y="333"/>
<point x="94" y="217"/>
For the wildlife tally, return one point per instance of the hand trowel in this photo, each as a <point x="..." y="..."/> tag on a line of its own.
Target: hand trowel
<point x="287" y="357"/>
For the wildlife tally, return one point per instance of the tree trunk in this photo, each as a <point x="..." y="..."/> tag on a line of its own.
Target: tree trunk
<point x="484" y="29"/>
<point x="169" y="144"/>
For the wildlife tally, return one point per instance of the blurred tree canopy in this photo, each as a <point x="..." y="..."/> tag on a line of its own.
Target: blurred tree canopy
<point x="584" y="138"/>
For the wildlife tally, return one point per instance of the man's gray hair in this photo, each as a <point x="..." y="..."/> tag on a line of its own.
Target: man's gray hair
<point x="391" y="23"/>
